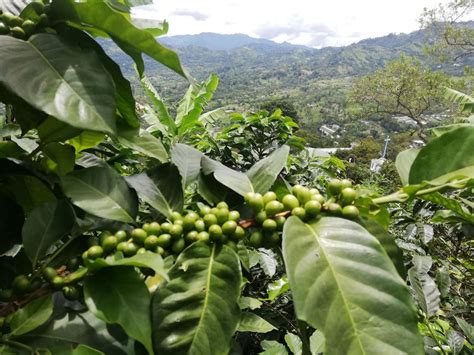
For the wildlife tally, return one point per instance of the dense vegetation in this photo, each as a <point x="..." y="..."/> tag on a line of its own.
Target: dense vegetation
<point x="134" y="227"/>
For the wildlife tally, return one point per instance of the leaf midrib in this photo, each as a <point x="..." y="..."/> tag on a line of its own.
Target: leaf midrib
<point x="206" y="298"/>
<point x="333" y="272"/>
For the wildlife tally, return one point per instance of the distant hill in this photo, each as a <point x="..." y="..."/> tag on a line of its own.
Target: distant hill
<point x="255" y="70"/>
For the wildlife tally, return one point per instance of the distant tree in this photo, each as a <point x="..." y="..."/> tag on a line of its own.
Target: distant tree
<point x="365" y="150"/>
<point x="453" y="40"/>
<point x="286" y="106"/>
<point x="403" y="87"/>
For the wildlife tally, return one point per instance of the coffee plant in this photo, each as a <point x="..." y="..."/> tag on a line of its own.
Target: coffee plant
<point x="120" y="238"/>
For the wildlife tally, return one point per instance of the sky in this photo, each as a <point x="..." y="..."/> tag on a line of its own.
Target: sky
<point x="314" y="23"/>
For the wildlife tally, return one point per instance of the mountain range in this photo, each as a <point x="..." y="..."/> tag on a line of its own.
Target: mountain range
<point x="253" y="70"/>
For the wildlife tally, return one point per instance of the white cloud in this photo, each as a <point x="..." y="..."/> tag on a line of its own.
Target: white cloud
<point x="310" y="22"/>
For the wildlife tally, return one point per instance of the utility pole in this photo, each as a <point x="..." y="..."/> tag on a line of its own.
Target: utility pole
<point x="385" y="147"/>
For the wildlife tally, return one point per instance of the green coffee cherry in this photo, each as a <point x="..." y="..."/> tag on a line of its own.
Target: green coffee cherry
<point x="256" y="239"/>
<point x="4" y="30"/>
<point x="239" y="233"/>
<point x="256" y="202"/>
<point x="229" y="227"/>
<point x="215" y="232"/>
<point x="348" y="195"/>
<point x="138" y="236"/>
<point x="176" y="216"/>
<point x="234" y="215"/>
<point x="209" y="219"/>
<point x="109" y="243"/>
<point x="103" y="235"/>
<point x="121" y="246"/>
<point x="141" y="251"/>
<point x="299" y="212"/>
<point x="345" y="183"/>
<point x="304" y="195"/>
<point x="18" y="32"/>
<point x="130" y="249"/>
<point x="318" y="198"/>
<point x="91" y="241"/>
<point x="121" y="236"/>
<point x="94" y="252"/>
<point x="335" y="187"/>
<point x="49" y="273"/>
<point x="28" y="26"/>
<point x="272" y="239"/>
<point x="334" y="208"/>
<point x="296" y="189"/>
<point x="200" y="226"/>
<point x="165" y="227"/>
<point x="289" y="202"/>
<point x="222" y="215"/>
<point x="151" y="242"/>
<point x="312" y="208"/>
<point x="57" y="282"/>
<point x="71" y="293"/>
<point x="189" y="219"/>
<point x="269" y="225"/>
<point x="350" y="211"/>
<point x="160" y="250"/>
<point x="178" y="246"/>
<point x="43" y="20"/>
<point x="222" y="204"/>
<point x="203" y="236"/>
<point x="164" y="240"/>
<point x="269" y="196"/>
<point x="73" y="264"/>
<point x="280" y="221"/>
<point x="20" y="284"/>
<point x="314" y="191"/>
<point x="176" y="231"/>
<point x="191" y="236"/>
<point x="248" y="196"/>
<point x="6" y="295"/>
<point x="203" y="210"/>
<point x="261" y="216"/>
<point x="273" y="207"/>
<point x="154" y="228"/>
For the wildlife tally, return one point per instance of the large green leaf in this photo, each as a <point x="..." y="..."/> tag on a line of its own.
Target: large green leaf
<point x="445" y="158"/>
<point x="53" y="130"/>
<point x="158" y="105"/>
<point x="234" y="180"/>
<point x="100" y="15"/>
<point x="468" y="329"/>
<point x="65" y="82"/>
<point x="86" y="140"/>
<point x="188" y="161"/>
<point x="197" y="312"/>
<point x="30" y="317"/>
<point x="404" y="162"/>
<point x="124" y="301"/>
<point x="426" y="291"/>
<point x="451" y="204"/>
<point x="345" y="285"/>
<point x="250" y="322"/>
<point x="146" y="260"/>
<point x="161" y="188"/>
<point x="68" y="328"/>
<point x="45" y="225"/>
<point x="60" y="158"/>
<point x="264" y="173"/>
<point x="102" y="192"/>
<point x="143" y="142"/>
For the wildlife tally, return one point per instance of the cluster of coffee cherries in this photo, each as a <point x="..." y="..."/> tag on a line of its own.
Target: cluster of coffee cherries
<point x="18" y="27"/>
<point x="214" y="225"/>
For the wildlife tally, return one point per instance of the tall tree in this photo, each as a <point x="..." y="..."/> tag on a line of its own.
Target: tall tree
<point x="402" y="87"/>
<point x="453" y="38"/>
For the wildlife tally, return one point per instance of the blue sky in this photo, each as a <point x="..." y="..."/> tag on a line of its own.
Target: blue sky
<point x="315" y="23"/>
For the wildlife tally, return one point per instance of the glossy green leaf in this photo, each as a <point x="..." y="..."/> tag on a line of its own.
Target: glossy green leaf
<point x="404" y="162"/>
<point x="44" y="226"/>
<point x="445" y="158"/>
<point x="250" y="322"/>
<point x="53" y="130"/>
<point x="86" y="140"/>
<point x="146" y="260"/>
<point x="234" y="180"/>
<point x="272" y="347"/>
<point x="426" y="291"/>
<point x="28" y="191"/>
<point x="102" y="192"/>
<point x="294" y="342"/>
<point x="30" y="317"/>
<point x="60" y="158"/>
<point x="468" y="329"/>
<point x="188" y="161"/>
<point x="100" y="15"/>
<point x="249" y="302"/>
<point x="341" y="278"/>
<point x="143" y="142"/>
<point x="264" y="173"/>
<point x="125" y="301"/>
<point x="86" y="350"/>
<point x="267" y="261"/>
<point x="69" y="84"/>
<point x="197" y="312"/>
<point x="158" y="105"/>
<point x="451" y="204"/>
<point x="317" y="343"/>
<point x="278" y="288"/>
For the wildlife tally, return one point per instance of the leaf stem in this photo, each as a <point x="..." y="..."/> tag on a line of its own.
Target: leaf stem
<point x="302" y="327"/>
